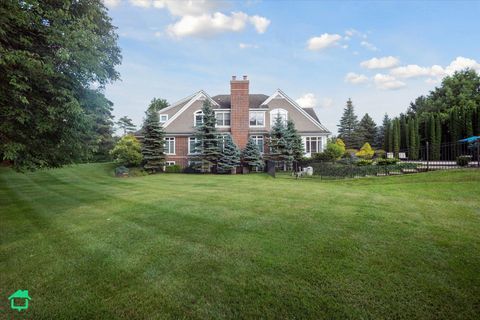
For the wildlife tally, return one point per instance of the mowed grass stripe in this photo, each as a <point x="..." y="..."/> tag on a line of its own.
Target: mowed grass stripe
<point x="202" y="246"/>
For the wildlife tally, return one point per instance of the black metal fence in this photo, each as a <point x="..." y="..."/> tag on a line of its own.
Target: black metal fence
<point x="426" y="158"/>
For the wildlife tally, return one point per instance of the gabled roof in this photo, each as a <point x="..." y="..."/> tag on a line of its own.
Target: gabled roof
<point x="20" y="294"/>
<point x="307" y="112"/>
<point x="255" y="100"/>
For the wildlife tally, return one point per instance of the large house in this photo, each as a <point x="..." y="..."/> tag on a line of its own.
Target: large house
<point x="240" y="114"/>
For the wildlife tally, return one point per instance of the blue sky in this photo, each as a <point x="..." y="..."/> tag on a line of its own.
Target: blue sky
<point x="382" y="55"/>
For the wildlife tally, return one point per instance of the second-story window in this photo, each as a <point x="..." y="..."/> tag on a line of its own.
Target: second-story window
<point x="198" y="118"/>
<point x="257" y="118"/>
<point x="223" y="118"/>
<point x="163" y="118"/>
<point x="278" y="113"/>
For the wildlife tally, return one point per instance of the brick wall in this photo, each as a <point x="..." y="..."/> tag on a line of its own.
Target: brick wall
<point x="239" y="121"/>
<point x="181" y="151"/>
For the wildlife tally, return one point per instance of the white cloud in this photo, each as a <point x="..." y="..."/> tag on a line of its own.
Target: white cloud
<point x="207" y="25"/>
<point x="380" y="63"/>
<point x="354" y="78"/>
<point x="387" y="82"/>
<point x="247" y="45"/>
<point x="432" y="81"/>
<point x="368" y="45"/>
<point x="308" y="100"/>
<point x="324" y="41"/>
<point x="260" y="23"/>
<point x="111" y="3"/>
<point x="181" y="8"/>
<point x="413" y="71"/>
<point x="461" y="63"/>
<point x="353" y="32"/>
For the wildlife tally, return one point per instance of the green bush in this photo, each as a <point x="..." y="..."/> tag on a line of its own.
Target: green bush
<point x="322" y="157"/>
<point x="366" y="152"/>
<point x="173" y="169"/>
<point x="127" y="151"/>
<point x="364" y="162"/>
<point x="334" y="151"/>
<point x="463" y="161"/>
<point x="121" y="171"/>
<point x="385" y="162"/>
<point x="379" y="153"/>
<point x="350" y="153"/>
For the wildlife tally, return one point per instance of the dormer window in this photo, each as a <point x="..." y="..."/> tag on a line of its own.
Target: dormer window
<point x="198" y="118"/>
<point x="278" y="113"/>
<point x="163" y="118"/>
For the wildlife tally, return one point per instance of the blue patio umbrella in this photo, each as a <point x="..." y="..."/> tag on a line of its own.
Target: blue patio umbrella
<point x="470" y="139"/>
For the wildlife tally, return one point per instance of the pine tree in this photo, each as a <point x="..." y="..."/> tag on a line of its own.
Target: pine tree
<point x="230" y="156"/>
<point x="295" y="141"/>
<point x="412" y="139"/>
<point x="280" y="149"/>
<point x="367" y="129"/>
<point x="347" y="129"/>
<point x="385" y="132"/>
<point x="438" y="138"/>
<point x="125" y="124"/>
<point x="396" y="136"/>
<point x="251" y="156"/>
<point x="207" y="149"/>
<point x="158" y="104"/>
<point x="153" y="146"/>
<point x="403" y="132"/>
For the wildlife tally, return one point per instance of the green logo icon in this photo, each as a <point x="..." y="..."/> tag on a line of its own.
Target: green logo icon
<point x="19" y="295"/>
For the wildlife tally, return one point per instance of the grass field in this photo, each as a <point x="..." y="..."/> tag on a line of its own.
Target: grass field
<point x="91" y="246"/>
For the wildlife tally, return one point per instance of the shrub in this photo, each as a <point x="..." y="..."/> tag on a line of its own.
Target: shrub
<point x="334" y="151"/>
<point x="350" y="152"/>
<point x="366" y="152"/>
<point x="463" y="161"/>
<point x="380" y="153"/>
<point x="385" y="162"/>
<point x="364" y="162"/>
<point x="127" y="151"/>
<point x="340" y="143"/>
<point x="322" y="157"/>
<point x="173" y="169"/>
<point x="121" y="171"/>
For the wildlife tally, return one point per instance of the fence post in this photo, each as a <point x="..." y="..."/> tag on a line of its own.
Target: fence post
<point x="428" y="152"/>
<point x="478" y="153"/>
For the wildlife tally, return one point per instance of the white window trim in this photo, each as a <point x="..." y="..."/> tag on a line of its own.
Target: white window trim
<point x="257" y="126"/>
<point x="275" y="112"/>
<point x="320" y="140"/>
<point x="255" y="140"/>
<point x="174" y="145"/>
<point x="223" y="111"/>
<point x="163" y="115"/>
<point x="195" y="116"/>
<point x="170" y="163"/>
<point x="190" y="151"/>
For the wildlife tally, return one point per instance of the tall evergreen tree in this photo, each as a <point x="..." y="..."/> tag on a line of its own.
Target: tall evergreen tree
<point x="367" y="130"/>
<point x="153" y="145"/>
<point x="126" y="124"/>
<point x="385" y="132"/>
<point x="396" y="136"/>
<point x="413" y="147"/>
<point x="207" y="149"/>
<point x="438" y="138"/>
<point x="403" y="132"/>
<point x="251" y="156"/>
<point x="430" y="126"/>
<point x="295" y="141"/>
<point x="347" y="129"/>
<point x="230" y="156"/>
<point x="280" y="148"/>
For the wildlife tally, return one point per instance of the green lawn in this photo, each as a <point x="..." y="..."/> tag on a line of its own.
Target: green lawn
<point x="88" y="245"/>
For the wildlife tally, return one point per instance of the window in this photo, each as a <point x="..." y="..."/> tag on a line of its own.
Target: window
<point x="170" y="145"/>
<point x="257" y="118"/>
<point x="278" y="113"/>
<point x="223" y="118"/>
<point x="198" y="118"/>
<point x="313" y="144"/>
<point x="170" y="163"/>
<point x="192" y="144"/>
<point x="163" y="118"/>
<point x="259" y="142"/>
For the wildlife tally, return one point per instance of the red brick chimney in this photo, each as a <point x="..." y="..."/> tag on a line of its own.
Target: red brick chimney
<point x="239" y="122"/>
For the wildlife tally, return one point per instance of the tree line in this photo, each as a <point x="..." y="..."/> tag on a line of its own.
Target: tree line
<point x="447" y="114"/>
